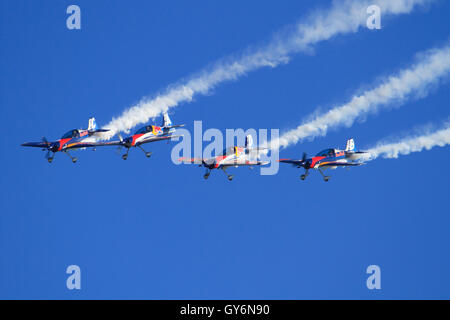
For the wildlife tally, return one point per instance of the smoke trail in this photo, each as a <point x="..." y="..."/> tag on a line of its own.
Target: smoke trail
<point x="415" y="81"/>
<point x="439" y="138"/>
<point x="343" y="17"/>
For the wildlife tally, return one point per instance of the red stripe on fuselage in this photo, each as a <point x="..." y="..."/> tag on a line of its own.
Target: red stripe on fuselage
<point x="314" y="161"/>
<point x="135" y="137"/>
<point x="218" y="159"/>
<point x="62" y="142"/>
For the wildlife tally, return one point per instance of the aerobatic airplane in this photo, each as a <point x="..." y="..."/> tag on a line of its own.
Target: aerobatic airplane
<point x="230" y="157"/>
<point x="147" y="134"/>
<point x="329" y="159"/>
<point x="74" y="139"/>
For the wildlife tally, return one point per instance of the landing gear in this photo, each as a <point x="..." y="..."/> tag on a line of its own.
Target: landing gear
<point x="229" y="176"/>
<point x="74" y="159"/>
<point x="49" y="156"/>
<point x="325" y="178"/>
<point x="147" y="154"/>
<point x="303" y="176"/>
<point x="206" y="175"/>
<point x="125" y="156"/>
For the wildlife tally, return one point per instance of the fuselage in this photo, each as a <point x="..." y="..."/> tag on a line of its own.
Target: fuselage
<point x="145" y="133"/>
<point x="71" y="139"/>
<point x="326" y="156"/>
<point x="229" y="157"/>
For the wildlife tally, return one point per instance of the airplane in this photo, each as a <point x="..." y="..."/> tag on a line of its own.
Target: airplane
<point x="74" y="139"/>
<point x="147" y="134"/>
<point x="329" y="159"/>
<point x="229" y="157"/>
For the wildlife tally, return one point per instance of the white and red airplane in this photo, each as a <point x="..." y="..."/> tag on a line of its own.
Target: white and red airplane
<point x="147" y="134"/>
<point x="329" y="159"/>
<point x="229" y="157"/>
<point x="74" y="139"/>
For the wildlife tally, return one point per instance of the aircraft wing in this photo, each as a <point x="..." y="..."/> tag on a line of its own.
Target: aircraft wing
<point x="154" y="139"/>
<point x="41" y="144"/>
<point x="340" y="164"/>
<point x="292" y="161"/>
<point x="356" y="155"/>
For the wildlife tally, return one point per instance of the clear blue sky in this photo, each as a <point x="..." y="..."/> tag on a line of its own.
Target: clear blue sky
<point x="145" y="228"/>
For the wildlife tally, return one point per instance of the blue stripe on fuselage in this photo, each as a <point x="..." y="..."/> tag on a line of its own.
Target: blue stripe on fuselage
<point x="333" y="158"/>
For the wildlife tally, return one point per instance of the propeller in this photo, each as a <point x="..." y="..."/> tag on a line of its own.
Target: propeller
<point x="50" y="146"/>
<point x="119" y="148"/>
<point x="44" y="140"/>
<point x="47" y="155"/>
<point x="305" y="162"/>
<point x="127" y="143"/>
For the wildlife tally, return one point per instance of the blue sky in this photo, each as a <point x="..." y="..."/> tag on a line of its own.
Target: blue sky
<point x="146" y="228"/>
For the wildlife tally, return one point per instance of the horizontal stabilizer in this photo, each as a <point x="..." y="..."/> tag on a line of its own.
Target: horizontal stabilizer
<point x="101" y="130"/>
<point x="175" y="126"/>
<point x="191" y="160"/>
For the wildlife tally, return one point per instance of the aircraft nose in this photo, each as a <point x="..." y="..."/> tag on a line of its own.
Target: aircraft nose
<point x="54" y="146"/>
<point x="128" y="141"/>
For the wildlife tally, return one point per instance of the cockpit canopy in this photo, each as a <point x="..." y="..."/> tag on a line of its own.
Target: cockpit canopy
<point x="231" y="150"/>
<point x="144" y="130"/>
<point x="227" y="151"/>
<point x="71" y="134"/>
<point x="326" y="153"/>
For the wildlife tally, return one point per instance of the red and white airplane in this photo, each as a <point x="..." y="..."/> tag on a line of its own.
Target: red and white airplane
<point x="229" y="157"/>
<point x="74" y="139"/>
<point x="147" y="134"/>
<point x="329" y="159"/>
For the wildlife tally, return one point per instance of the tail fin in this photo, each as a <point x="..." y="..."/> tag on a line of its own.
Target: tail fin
<point x="92" y="124"/>
<point x="350" y="145"/>
<point x="166" y="120"/>
<point x="248" y="141"/>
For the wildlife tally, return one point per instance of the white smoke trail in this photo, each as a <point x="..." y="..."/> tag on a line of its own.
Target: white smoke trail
<point x="415" y="81"/>
<point x="343" y="17"/>
<point x="406" y="146"/>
